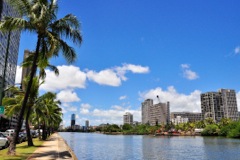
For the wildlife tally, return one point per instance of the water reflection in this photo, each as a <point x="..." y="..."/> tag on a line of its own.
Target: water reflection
<point x="90" y="146"/>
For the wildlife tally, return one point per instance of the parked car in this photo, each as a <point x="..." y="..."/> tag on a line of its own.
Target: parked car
<point x="3" y="141"/>
<point x="10" y="135"/>
<point x="23" y="136"/>
<point x="10" y="130"/>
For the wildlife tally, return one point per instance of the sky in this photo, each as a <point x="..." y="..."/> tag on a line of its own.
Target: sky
<point x="133" y="50"/>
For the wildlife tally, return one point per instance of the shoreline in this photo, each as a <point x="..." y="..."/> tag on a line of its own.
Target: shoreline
<point x="68" y="148"/>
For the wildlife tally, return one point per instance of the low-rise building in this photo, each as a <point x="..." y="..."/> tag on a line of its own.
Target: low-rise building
<point x="192" y="116"/>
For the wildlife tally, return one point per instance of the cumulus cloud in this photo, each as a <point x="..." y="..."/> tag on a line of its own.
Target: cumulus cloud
<point x="104" y="77"/>
<point x="18" y="77"/>
<point x="188" y="73"/>
<point x="237" y="50"/>
<point x="122" y="97"/>
<point x="178" y="102"/>
<point x="68" y="96"/>
<point x="113" y="115"/>
<point x="121" y="71"/>
<point x="69" y="77"/>
<point x="85" y="108"/>
<point x="72" y="77"/>
<point x="116" y="107"/>
<point x="115" y="76"/>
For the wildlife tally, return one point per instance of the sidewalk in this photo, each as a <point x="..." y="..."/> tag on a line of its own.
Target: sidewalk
<point x="54" y="148"/>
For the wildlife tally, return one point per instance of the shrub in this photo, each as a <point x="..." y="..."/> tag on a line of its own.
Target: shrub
<point x="210" y="130"/>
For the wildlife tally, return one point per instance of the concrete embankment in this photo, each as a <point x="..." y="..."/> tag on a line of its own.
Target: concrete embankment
<point x="54" y="148"/>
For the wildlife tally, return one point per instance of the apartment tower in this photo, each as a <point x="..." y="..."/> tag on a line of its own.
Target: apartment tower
<point x="128" y="118"/>
<point x="9" y="46"/>
<point x="154" y="114"/>
<point x="218" y="105"/>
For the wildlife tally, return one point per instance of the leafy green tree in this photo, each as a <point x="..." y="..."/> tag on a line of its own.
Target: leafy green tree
<point x="40" y="17"/>
<point x="208" y="121"/>
<point x="200" y="124"/>
<point x="127" y="126"/>
<point x="210" y="130"/>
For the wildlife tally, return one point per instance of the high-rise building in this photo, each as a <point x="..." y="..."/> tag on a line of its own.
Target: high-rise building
<point x="73" y="117"/>
<point x="87" y="124"/>
<point x="9" y="46"/>
<point x="25" y="70"/>
<point x="155" y="114"/>
<point x="128" y="118"/>
<point x="218" y="105"/>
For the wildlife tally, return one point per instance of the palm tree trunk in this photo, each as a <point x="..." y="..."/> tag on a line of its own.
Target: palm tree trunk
<point x="25" y="100"/>
<point x="29" y="137"/>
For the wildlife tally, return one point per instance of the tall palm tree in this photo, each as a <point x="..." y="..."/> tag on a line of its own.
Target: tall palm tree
<point x="40" y="17"/>
<point x="48" y="112"/>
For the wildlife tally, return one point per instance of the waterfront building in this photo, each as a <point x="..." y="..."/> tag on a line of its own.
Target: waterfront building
<point x="218" y="105"/>
<point x="86" y="124"/>
<point x="179" y="120"/>
<point x="73" y="117"/>
<point x="191" y="116"/>
<point x="154" y="114"/>
<point x="128" y="118"/>
<point x="9" y="46"/>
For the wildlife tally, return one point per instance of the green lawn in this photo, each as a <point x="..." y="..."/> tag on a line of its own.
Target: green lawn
<point x="22" y="151"/>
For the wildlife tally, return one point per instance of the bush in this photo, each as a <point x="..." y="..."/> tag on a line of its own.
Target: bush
<point x="210" y="130"/>
<point x="235" y="132"/>
<point x="225" y="129"/>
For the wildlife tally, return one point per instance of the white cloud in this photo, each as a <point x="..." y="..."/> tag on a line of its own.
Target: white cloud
<point x="185" y="66"/>
<point x="178" y="101"/>
<point x="122" y="97"/>
<point x="188" y="73"/>
<point x="68" y="96"/>
<point x="104" y="77"/>
<point x="72" y="77"/>
<point x="69" y="77"/>
<point x="85" y="108"/>
<point x="72" y="109"/>
<point x="116" y="107"/>
<point x="121" y="71"/>
<point x="18" y="78"/>
<point x="237" y="50"/>
<point x="113" y="116"/>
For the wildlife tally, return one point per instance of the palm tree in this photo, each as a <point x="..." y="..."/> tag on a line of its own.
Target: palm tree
<point x="48" y="112"/>
<point x="13" y="104"/>
<point x="40" y="17"/>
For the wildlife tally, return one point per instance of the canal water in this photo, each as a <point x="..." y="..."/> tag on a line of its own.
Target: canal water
<point x="94" y="146"/>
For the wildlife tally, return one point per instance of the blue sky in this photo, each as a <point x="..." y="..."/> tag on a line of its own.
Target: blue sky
<point x="137" y="49"/>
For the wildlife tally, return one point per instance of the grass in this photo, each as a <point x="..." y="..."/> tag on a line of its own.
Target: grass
<point x="22" y="151"/>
